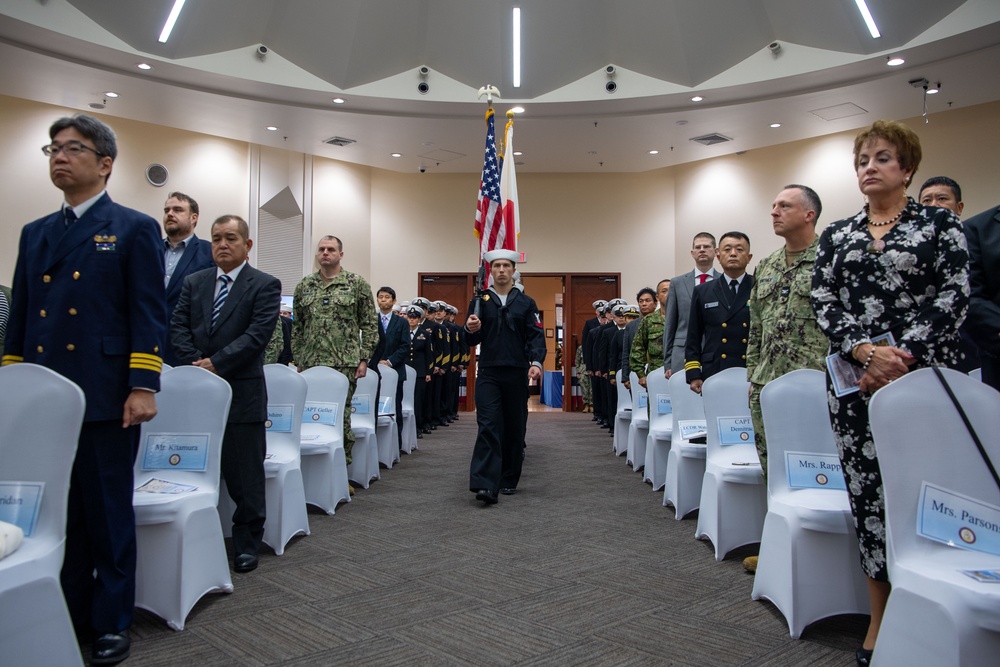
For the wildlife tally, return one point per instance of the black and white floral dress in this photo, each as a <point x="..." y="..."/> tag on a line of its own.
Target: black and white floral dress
<point x="914" y="283"/>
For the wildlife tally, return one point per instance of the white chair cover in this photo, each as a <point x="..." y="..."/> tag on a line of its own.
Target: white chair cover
<point x="408" y="415"/>
<point x="623" y="417"/>
<point x="936" y="615"/>
<point x="660" y="430"/>
<point x="686" y="460"/>
<point x="638" y="427"/>
<point x="386" y="433"/>
<point x="324" y="464"/>
<point x="40" y="417"/>
<point x="808" y="566"/>
<point x="364" y="455"/>
<point x="181" y="551"/>
<point x="733" y="497"/>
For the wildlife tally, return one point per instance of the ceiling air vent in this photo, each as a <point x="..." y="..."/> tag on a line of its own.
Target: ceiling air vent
<point x="711" y="139"/>
<point x="339" y="141"/>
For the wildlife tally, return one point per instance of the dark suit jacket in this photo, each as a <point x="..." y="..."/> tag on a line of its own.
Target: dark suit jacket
<point x="88" y="303"/>
<point x="197" y="257"/>
<point x="675" y="318"/>
<point x="420" y="352"/>
<point x="983" y="321"/>
<point x="394" y="344"/>
<point x="236" y="345"/>
<point x="587" y="343"/>
<point x="718" y="328"/>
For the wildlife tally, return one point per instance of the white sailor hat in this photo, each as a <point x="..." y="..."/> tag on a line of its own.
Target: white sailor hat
<point x="632" y="311"/>
<point x="421" y="301"/>
<point x="618" y="302"/>
<point x="600" y="303"/>
<point x="415" y="311"/>
<point x="494" y="255"/>
<point x="618" y="309"/>
<point x="451" y="309"/>
<point x="404" y="304"/>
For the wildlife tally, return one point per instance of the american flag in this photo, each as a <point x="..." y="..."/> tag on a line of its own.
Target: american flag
<point x="491" y="228"/>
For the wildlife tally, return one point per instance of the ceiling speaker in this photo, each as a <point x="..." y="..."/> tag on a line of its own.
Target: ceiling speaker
<point x="157" y="175"/>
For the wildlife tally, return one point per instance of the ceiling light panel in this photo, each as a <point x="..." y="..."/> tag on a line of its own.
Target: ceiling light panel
<point x="867" y="16"/>
<point x="171" y="20"/>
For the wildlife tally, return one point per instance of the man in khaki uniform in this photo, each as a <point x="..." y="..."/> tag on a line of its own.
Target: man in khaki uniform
<point x="335" y="323"/>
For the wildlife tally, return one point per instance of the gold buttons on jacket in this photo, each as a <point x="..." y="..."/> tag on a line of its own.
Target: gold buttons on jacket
<point x="46" y="278"/>
<point x="723" y="325"/>
<point x="72" y="311"/>
<point x="41" y="349"/>
<point x="744" y="341"/>
<point x="71" y="347"/>
<point x="723" y="356"/>
<point x="76" y="275"/>
<point x="724" y="340"/>
<point x="42" y="313"/>
<point x="744" y="325"/>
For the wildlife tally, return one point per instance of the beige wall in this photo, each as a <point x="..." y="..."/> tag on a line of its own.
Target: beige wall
<point x="395" y="225"/>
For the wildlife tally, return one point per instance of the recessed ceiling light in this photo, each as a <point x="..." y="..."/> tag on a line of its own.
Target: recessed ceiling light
<point x="934" y="89"/>
<point x="654" y="152"/>
<point x="697" y="98"/>
<point x="775" y="124"/>
<point x="111" y="93"/>
<point x="144" y="66"/>
<point x="518" y="109"/>
<point x="338" y="100"/>
<point x="516" y="153"/>
<point x="272" y="128"/>
<point x="894" y="61"/>
<point x="395" y="155"/>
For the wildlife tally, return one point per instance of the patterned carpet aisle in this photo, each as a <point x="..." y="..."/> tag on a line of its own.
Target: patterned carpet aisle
<point x="583" y="566"/>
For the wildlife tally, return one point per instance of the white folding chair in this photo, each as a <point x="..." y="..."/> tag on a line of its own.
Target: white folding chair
<point x="623" y="417"/>
<point x="283" y="487"/>
<point x="181" y="551"/>
<point x="40" y="417"/>
<point x="660" y="429"/>
<point x="324" y="464"/>
<point x="386" y="433"/>
<point x="808" y="566"/>
<point x="686" y="459"/>
<point x="407" y="414"/>
<point x="976" y="374"/>
<point x="936" y="614"/>
<point x="733" y="498"/>
<point x="363" y="467"/>
<point x="638" y="427"/>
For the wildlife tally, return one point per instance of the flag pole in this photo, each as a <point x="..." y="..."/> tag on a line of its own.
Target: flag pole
<point x="489" y="91"/>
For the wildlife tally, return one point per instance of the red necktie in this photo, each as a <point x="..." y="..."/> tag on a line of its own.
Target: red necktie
<point x="702" y="278"/>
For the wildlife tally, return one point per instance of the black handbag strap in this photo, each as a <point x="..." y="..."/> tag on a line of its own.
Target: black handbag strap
<point x="968" y="425"/>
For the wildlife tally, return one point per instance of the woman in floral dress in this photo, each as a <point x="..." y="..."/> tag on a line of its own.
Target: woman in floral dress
<point x="896" y="267"/>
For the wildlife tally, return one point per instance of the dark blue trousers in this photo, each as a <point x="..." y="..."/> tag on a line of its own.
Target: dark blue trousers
<point x="502" y="415"/>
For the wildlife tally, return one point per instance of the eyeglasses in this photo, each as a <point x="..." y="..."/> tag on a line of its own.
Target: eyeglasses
<point x="70" y="149"/>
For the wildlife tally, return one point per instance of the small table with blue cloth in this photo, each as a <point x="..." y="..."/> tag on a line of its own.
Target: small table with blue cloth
<point x="552" y="389"/>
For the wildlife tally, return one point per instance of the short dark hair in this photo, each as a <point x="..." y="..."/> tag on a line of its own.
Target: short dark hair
<point x="91" y="128"/>
<point x="331" y="237"/>
<point x="945" y="181"/>
<point x="388" y="290"/>
<point x="811" y="198"/>
<point x="902" y="138"/>
<point x="665" y="280"/>
<point x="646" y="290"/>
<point x="704" y="235"/>
<point x="241" y="224"/>
<point x="192" y="204"/>
<point x="735" y="235"/>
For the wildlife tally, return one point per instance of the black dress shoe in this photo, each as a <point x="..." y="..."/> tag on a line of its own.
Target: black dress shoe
<point x="486" y="496"/>
<point x="863" y="656"/>
<point x="508" y="490"/>
<point x="245" y="563"/>
<point x="111" y="648"/>
<point x="420" y="435"/>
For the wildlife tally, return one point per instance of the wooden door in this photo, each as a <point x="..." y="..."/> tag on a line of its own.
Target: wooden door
<point x="455" y="289"/>
<point x="582" y="290"/>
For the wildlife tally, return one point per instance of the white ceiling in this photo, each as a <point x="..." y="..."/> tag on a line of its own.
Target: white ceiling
<point x="208" y="79"/>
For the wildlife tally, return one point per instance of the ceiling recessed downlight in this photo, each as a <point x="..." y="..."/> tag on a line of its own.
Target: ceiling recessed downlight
<point x="654" y="152"/>
<point x="338" y="100"/>
<point x="518" y="153"/>
<point x="144" y="66"/>
<point x="112" y="94"/>
<point x="775" y="125"/>
<point x="517" y="109"/>
<point x="697" y="98"/>
<point x="894" y="61"/>
<point x="271" y="128"/>
<point x="395" y="155"/>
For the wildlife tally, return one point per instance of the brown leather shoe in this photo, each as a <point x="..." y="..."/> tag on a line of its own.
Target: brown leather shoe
<point x="750" y="564"/>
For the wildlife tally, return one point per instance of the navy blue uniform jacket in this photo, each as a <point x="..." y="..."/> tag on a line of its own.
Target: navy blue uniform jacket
<point x="514" y="331"/>
<point x="718" y="328"/>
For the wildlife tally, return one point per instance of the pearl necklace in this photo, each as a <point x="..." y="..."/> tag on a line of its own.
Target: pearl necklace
<point x="891" y="220"/>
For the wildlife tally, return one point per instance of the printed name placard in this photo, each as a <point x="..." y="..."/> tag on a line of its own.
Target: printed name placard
<point x="316" y="412"/>
<point x="279" y="417"/>
<point x="692" y="428"/>
<point x="958" y="520"/>
<point x="175" y="451"/>
<point x="735" y="430"/>
<point x="814" y="471"/>
<point x="663" y="405"/>
<point x="385" y="405"/>
<point x="362" y="404"/>
<point x="20" y="503"/>
<point x="643" y="399"/>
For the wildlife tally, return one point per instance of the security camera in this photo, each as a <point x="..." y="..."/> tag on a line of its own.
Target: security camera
<point x="774" y="48"/>
<point x="422" y="169"/>
<point x="424" y="71"/>
<point x="611" y="86"/>
<point x="423" y="87"/>
<point x="262" y="51"/>
<point x="610" y="70"/>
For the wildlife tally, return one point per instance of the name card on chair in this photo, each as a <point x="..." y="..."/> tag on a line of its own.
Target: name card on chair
<point x="663" y="404"/>
<point x="385" y="405"/>
<point x="362" y="404"/>
<point x="279" y="417"/>
<point x="814" y="471"/>
<point x="692" y="428"/>
<point x="735" y="430"/>
<point x="175" y="451"/>
<point x="316" y="412"/>
<point x="958" y="520"/>
<point x="20" y="503"/>
<point x="643" y="399"/>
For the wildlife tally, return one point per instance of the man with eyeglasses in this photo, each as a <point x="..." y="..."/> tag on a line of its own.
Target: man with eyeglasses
<point x="678" y="307"/>
<point x="88" y="302"/>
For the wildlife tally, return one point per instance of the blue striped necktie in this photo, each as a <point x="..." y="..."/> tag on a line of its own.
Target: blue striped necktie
<point x="220" y="299"/>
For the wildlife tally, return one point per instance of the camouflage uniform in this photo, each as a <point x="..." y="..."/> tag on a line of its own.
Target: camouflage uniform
<point x="275" y="345"/>
<point x="335" y="325"/>
<point x="784" y="335"/>
<point x="647" y="346"/>
<point x="583" y="379"/>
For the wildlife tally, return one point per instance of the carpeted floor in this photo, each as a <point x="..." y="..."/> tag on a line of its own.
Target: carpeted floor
<point x="583" y="566"/>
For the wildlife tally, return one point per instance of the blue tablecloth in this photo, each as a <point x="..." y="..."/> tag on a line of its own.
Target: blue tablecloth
<point x="552" y="389"/>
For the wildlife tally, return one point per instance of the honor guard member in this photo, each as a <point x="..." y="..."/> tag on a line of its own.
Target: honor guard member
<point x="432" y="332"/>
<point x="335" y="323"/>
<point x="444" y="381"/>
<point x="420" y="361"/>
<point x="512" y="343"/>
<point x="602" y="358"/>
<point x="647" y="346"/>
<point x="585" y="368"/>
<point x="183" y="252"/>
<point x="719" y="322"/>
<point x="88" y="302"/>
<point x="608" y="361"/>
<point x="442" y="342"/>
<point x="599" y="383"/>
<point x="457" y="363"/>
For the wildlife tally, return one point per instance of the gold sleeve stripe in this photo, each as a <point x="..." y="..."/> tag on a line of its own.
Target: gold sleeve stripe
<point x="145" y="367"/>
<point x="147" y="357"/>
<point x="691" y="365"/>
<point x="10" y="359"/>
